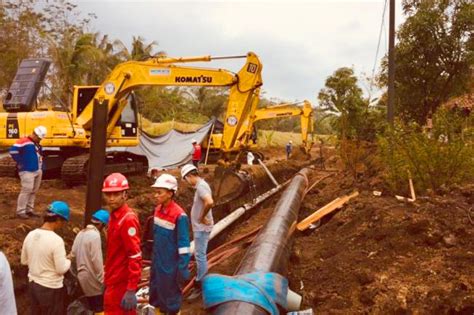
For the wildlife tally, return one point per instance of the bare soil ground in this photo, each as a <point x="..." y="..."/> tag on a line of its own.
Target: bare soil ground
<point x="379" y="255"/>
<point x="376" y="255"/>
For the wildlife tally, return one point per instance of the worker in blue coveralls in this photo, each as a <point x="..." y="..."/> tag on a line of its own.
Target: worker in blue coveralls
<point x="289" y="149"/>
<point x="171" y="251"/>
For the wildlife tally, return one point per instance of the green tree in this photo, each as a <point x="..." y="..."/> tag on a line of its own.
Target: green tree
<point x="20" y="26"/>
<point x="434" y="56"/>
<point x="343" y="97"/>
<point x="209" y="101"/>
<point x="81" y="59"/>
<point x="139" y="50"/>
<point x="93" y="57"/>
<point x="324" y="122"/>
<point x="167" y="103"/>
<point x="49" y="29"/>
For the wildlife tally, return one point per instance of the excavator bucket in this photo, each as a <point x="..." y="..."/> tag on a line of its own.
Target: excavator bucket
<point x="229" y="184"/>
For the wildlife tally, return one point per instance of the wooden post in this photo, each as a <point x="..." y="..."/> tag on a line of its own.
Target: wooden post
<point x="412" y="188"/>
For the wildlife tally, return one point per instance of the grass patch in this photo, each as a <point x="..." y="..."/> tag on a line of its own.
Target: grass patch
<point x="157" y="129"/>
<point x="266" y="138"/>
<point x="272" y="138"/>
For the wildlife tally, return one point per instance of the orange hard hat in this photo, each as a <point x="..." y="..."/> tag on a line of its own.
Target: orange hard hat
<point x="115" y="182"/>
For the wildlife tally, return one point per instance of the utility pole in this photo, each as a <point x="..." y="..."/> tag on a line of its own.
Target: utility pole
<point x="391" y="63"/>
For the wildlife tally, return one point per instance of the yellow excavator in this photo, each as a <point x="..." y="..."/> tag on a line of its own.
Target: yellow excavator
<point x="290" y="110"/>
<point x="246" y="137"/>
<point x="228" y="174"/>
<point x="68" y="139"/>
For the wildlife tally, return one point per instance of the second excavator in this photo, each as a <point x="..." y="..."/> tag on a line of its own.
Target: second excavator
<point x="234" y="182"/>
<point x="246" y="135"/>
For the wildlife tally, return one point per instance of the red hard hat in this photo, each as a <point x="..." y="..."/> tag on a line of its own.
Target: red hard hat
<point x="115" y="182"/>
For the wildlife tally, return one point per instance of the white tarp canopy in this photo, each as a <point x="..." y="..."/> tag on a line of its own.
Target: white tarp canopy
<point x="170" y="150"/>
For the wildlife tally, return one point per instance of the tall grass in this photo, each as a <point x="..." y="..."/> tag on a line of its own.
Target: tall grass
<point x="157" y="129"/>
<point x="273" y="138"/>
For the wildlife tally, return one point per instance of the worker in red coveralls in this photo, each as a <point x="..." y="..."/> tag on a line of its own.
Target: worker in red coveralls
<point x="124" y="257"/>
<point x="196" y="153"/>
<point x="171" y="251"/>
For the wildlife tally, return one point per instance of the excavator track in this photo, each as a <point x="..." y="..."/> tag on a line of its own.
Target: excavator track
<point x="74" y="170"/>
<point x="7" y="167"/>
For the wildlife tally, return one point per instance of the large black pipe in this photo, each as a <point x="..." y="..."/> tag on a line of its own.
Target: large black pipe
<point x="96" y="159"/>
<point x="270" y="250"/>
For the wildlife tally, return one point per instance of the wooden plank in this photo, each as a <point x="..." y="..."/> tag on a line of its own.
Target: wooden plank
<point x="330" y="207"/>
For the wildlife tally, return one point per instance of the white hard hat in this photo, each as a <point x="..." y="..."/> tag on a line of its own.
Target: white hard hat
<point x="291" y="141"/>
<point x="166" y="181"/>
<point x="40" y="131"/>
<point x="194" y="141"/>
<point x="185" y="170"/>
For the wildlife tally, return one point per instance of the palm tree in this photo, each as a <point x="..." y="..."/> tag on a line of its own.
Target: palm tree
<point x="140" y="50"/>
<point x="82" y="59"/>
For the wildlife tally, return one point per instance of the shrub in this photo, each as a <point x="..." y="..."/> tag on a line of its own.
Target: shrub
<point x="358" y="157"/>
<point x="436" y="158"/>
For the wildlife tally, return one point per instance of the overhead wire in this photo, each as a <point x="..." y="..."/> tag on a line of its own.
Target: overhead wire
<point x="382" y="27"/>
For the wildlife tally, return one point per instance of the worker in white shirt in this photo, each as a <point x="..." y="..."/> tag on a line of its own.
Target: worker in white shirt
<point x="44" y="253"/>
<point x="87" y="251"/>
<point x="7" y="295"/>
<point x="250" y="158"/>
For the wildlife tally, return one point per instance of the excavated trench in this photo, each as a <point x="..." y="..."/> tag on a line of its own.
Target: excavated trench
<point x="260" y="183"/>
<point x="256" y="181"/>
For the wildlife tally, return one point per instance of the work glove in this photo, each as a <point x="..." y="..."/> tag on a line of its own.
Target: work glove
<point x="183" y="276"/>
<point x="129" y="301"/>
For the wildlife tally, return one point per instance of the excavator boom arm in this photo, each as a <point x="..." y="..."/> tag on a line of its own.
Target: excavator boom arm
<point x="283" y="111"/>
<point x="166" y="72"/>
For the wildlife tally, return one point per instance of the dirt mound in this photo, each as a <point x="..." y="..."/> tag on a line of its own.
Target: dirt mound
<point x="379" y="255"/>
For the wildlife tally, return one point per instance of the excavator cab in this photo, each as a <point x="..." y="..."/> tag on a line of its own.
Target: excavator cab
<point x="128" y="120"/>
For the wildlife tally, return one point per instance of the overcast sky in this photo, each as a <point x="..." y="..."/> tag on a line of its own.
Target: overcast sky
<point x="300" y="43"/>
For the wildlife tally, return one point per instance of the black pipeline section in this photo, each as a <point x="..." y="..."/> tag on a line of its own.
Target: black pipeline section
<point x="270" y="250"/>
<point x="241" y="189"/>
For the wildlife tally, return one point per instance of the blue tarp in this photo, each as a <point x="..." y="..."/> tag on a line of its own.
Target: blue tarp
<point x="265" y="289"/>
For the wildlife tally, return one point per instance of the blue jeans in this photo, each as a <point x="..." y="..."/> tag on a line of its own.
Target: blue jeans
<point x="201" y="239"/>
